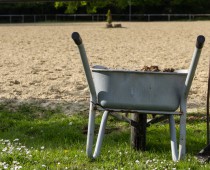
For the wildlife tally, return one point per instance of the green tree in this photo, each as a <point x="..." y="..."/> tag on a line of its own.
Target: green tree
<point x="92" y="6"/>
<point x="72" y="7"/>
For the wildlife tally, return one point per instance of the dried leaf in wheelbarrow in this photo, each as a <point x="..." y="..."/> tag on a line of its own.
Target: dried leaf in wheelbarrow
<point x="156" y="69"/>
<point x="151" y="68"/>
<point x="168" y="70"/>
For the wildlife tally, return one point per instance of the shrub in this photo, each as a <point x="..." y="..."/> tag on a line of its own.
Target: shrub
<point x="109" y="17"/>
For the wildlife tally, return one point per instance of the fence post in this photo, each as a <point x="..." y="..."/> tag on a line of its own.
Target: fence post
<point x="130" y="10"/>
<point x="169" y="17"/>
<point x="22" y="18"/>
<point x="148" y="17"/>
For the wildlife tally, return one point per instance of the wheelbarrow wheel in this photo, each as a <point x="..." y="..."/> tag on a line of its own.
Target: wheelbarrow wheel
<point x="138" y="131"/>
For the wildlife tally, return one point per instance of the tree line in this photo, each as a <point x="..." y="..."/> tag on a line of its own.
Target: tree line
<point x="116" y="6"/>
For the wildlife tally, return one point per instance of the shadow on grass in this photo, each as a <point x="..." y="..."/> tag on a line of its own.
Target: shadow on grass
<point x="36" y="127"/>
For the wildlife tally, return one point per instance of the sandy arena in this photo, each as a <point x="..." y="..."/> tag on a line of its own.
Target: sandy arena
<point x="40" y="63"/>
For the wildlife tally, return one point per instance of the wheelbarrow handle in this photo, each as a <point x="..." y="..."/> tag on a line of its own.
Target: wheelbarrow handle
<point x="78" y="41"/>
<point x="196" y="55"/>
<point x="200" y="41"/>
<point x="76" y="37"/>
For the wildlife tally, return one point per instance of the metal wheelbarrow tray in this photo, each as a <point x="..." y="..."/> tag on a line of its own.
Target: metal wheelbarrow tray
<point x="138" y="92"/>
<point x="135" y="90"/>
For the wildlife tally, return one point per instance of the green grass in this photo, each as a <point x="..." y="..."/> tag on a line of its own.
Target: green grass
<point x="35" y="138"/>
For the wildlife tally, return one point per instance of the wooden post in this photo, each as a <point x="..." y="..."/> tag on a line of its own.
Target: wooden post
<point x="169" y="17"/>
<point x="190" y="17"/>
<point x="148" y="17"/>
<point x="23" y="19"/>
<point x="138" y="133"/>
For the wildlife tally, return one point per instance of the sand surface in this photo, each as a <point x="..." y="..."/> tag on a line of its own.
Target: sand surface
<point x="40" y="62"/>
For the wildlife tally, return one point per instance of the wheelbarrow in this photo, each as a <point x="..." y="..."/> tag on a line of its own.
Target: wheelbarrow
<point x="140" y="93"/>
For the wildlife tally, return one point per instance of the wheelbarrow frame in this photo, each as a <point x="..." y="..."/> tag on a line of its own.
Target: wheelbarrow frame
<point x="176" y="154"/>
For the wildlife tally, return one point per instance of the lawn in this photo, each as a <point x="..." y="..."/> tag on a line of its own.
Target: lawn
<point x="35" y="138"/>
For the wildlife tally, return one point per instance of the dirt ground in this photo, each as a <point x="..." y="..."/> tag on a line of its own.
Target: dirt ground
<point x="40" y="62"/>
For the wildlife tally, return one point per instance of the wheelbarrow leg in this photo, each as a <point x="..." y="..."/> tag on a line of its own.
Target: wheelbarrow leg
<point x="182" y="138"/>
<point x="174" y="150"/>
<point x="182" y="142"/>
<point x="90" y="135"/>
<point x="101" y="134"/>
<point x="91" y="127"/>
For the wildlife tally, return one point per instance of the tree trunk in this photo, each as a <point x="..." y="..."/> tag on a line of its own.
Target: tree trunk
<point x="138" y="133"/>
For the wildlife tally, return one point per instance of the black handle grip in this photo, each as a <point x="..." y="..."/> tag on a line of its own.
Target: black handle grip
<point x="76" y="37"/>
<point x="200" y="41"/>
